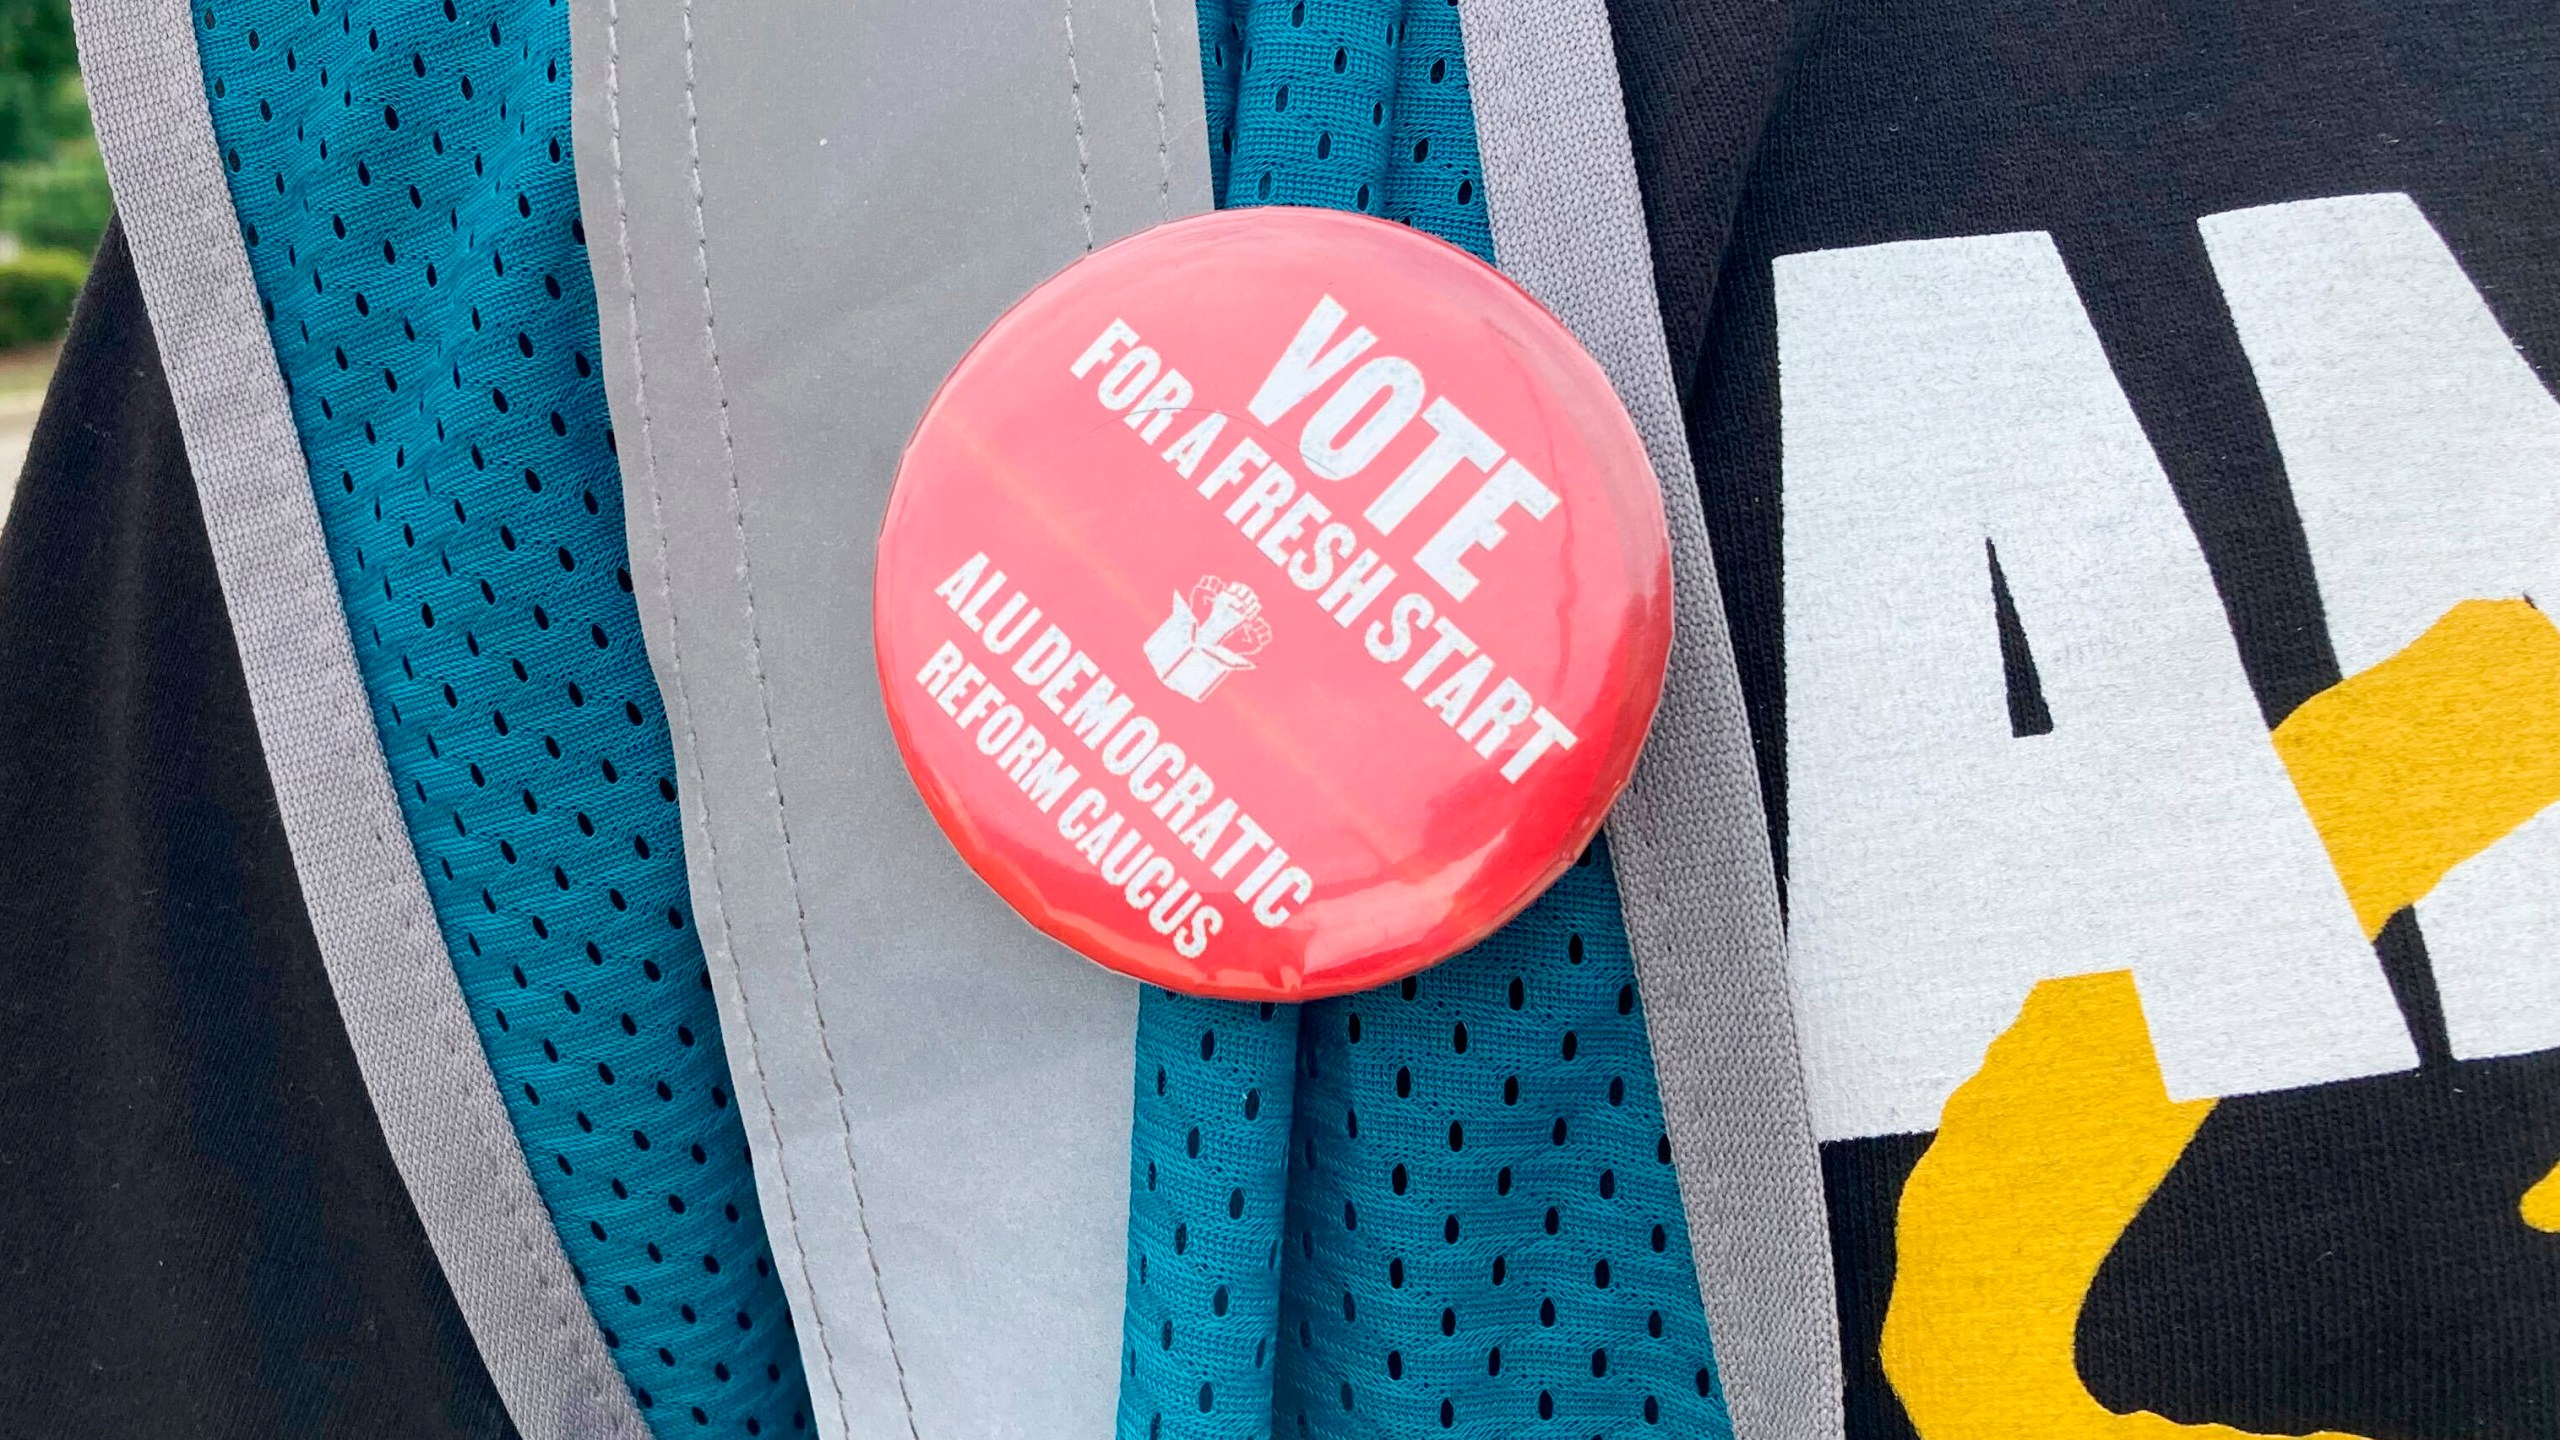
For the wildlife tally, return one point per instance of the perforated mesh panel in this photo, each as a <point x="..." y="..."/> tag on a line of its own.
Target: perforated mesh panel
<point x="1351" y="106"/>
<point x="1486" y="1231"/>
<point x="1208" y="1187"/>
<point x="1474" y="1227"/>
<point x="401" y="170"/>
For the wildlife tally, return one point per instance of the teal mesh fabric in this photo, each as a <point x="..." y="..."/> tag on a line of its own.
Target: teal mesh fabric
<point x="401" y="171"/>
<point x="1208" y="1185"/>
<point x="1447" y="1206"/>
<point x="1484" y="1232"/>
<point x="1351" y="105"/>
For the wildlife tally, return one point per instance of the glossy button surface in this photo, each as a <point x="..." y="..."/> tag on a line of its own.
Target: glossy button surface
<point x="1271" y="604"/>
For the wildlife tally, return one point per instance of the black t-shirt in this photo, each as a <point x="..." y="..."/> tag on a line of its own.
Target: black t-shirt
<point x="2126" y="436"/>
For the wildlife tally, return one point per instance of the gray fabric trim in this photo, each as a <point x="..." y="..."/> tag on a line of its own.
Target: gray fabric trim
<point x="799" y="220"/>
<point x="396" y="990"/>
<point x="1690" y="839"/>
<point x="848" y="1349"/>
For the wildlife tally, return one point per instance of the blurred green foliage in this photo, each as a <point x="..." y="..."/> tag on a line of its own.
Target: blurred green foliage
<point x="40" y="100"/>
<point x="36" y="291"/>
<point x="53" y="190"/>
<point x="58" y="203"/>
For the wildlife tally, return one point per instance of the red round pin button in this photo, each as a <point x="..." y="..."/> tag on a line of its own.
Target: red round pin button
<point x="1271" y="604"/>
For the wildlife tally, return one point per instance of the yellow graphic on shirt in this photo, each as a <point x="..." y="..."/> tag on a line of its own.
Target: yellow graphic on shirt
<point x="2042" y="1159"/>
<point x="2541" y="1204"/>
<point x="2432" y="756"/>
<point x="2045" y="1156"/>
